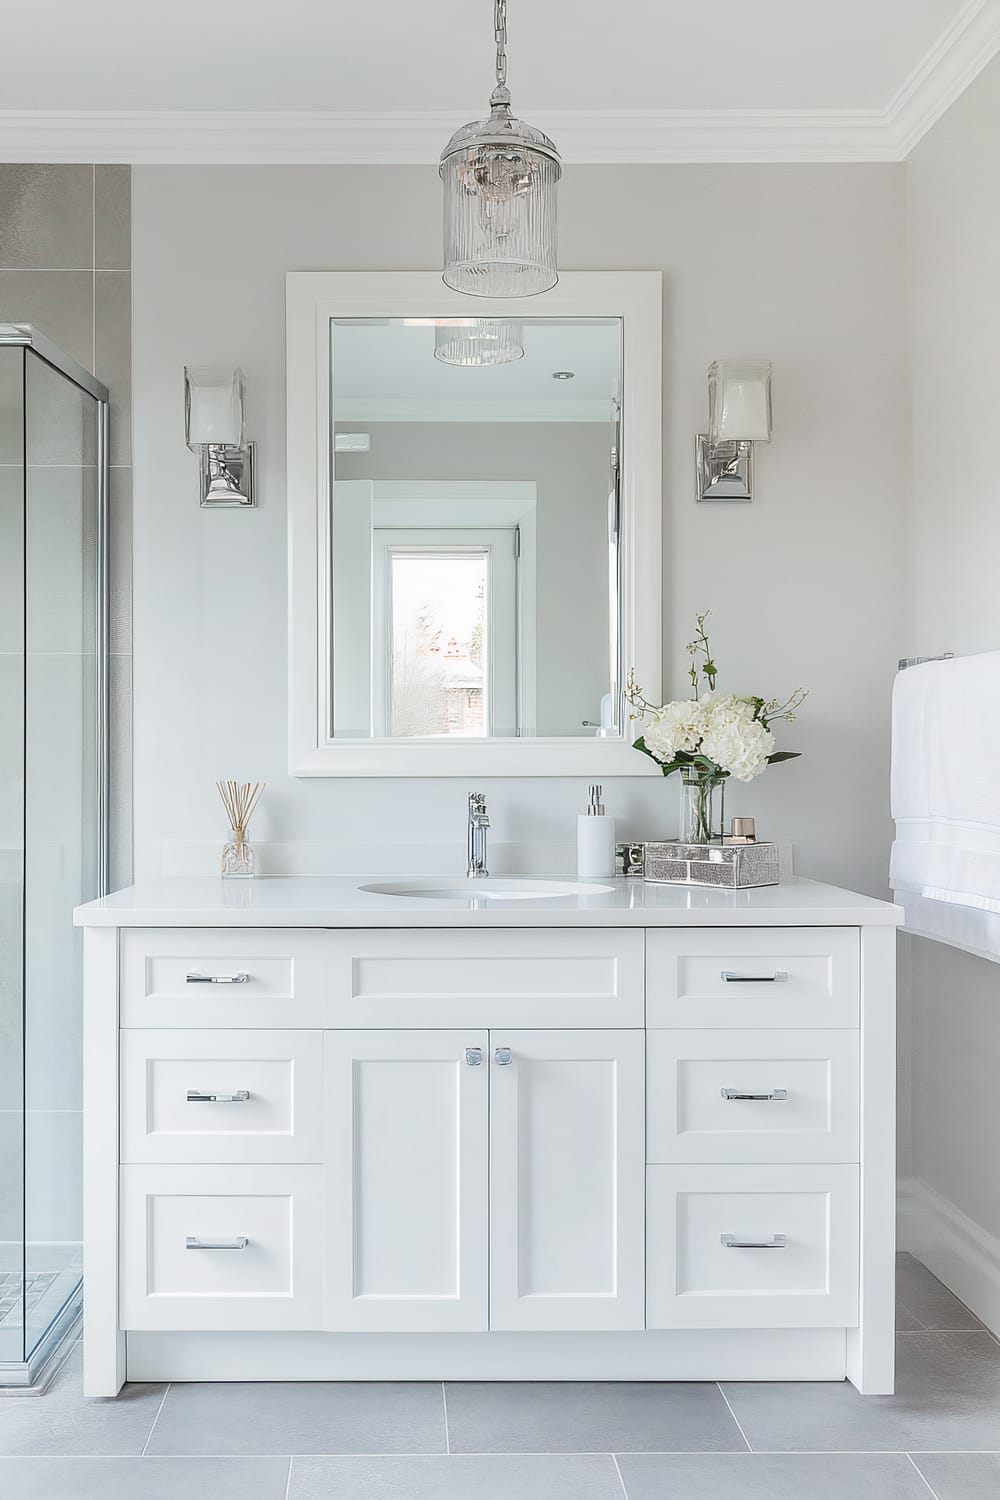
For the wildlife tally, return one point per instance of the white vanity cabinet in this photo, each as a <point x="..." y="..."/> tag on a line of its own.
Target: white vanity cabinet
<point x="642" y="1146"/>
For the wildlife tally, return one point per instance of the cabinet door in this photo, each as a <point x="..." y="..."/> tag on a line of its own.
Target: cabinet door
<point x="567" y="1171"/>
<point x="407" y="1192"/>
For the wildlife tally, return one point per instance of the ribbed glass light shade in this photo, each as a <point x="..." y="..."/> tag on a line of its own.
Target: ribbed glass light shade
<point x="500" y="177"/>
<point x="485" y="341"/>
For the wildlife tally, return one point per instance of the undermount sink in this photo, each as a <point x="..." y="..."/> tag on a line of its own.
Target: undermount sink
<point x="447" y="888"/>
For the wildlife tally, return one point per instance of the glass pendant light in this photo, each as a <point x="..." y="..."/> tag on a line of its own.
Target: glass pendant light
<point x="500" y="178"/>
<point x="480" y="341"/>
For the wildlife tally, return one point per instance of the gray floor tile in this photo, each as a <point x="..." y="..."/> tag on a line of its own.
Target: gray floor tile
<point x="771" y="1476"/>
<point x="62" y="1422"/>
<point x="483" y="1476"/>
<point x="961" y="1476"/>
<point x="301" y="1417"/>
<point x="947" y="1398"/>
<point x="142" y="1478"/>
<point x="905" y="1321"/>
<point x="541" y="1417"/>
<point x="929" y="1301"/>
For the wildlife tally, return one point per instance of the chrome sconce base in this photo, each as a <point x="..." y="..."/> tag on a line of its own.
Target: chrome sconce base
<point x="724" y="472"/>
<point x="226" y="475"/>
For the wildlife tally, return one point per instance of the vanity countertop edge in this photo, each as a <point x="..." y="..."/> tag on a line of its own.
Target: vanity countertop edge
<point x="337" y="901"/>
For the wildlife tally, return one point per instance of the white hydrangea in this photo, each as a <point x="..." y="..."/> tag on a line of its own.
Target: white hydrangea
<point x="720" y="727"/>
<point x="733" y="738"/>
<point x="679" y="726"/>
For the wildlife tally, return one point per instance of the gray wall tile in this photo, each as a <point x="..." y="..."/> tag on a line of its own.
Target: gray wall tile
<point x="59" y="303"/>
<point x="120" y="851"/>
<point x="113" y="354"/>
<point x="47" y="217"/>
<point x="113" y="218"/>
<point x="120" y="570"/>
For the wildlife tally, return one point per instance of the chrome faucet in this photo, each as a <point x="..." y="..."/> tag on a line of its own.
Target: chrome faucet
<point x="478" y="824"/>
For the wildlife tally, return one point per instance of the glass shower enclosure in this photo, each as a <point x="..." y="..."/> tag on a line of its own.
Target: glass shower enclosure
<point x="53" y="824"/>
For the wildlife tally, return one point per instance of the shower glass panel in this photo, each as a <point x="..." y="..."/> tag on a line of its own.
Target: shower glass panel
<point x="53" y="489"/>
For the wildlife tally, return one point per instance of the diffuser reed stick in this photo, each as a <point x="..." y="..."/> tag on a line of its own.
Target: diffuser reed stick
<point x="239" y="800"/>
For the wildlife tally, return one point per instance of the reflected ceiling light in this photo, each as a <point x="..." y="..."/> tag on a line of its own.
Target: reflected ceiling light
<point x="482" y="341"/>
<point x="500" y="178"/>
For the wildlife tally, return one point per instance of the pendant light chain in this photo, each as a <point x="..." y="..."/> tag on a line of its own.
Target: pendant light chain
<point x="500" y="30"/>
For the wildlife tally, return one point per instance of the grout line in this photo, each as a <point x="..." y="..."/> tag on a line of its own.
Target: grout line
<point x="621" y="1480"/>
<point x="155" y="1420"/>
<point x="922" y="1476"/>
<point x="913" y="1315"/>
<point x="735" y="1418"/>
<point x="288" y="1479"/>
<point x="444" y="1399"/>
<point x="93" y="263"/>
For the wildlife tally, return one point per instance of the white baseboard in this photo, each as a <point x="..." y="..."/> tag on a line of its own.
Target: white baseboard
<point x="959" y="1251"/>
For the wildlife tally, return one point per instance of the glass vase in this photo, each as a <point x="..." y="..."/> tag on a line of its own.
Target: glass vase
<point x="702" y="816"/>
<point x="237" y="857"/>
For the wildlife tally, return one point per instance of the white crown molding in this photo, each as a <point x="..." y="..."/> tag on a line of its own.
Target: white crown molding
<point x="957" y="58"/>
<point x="160" y="137"/>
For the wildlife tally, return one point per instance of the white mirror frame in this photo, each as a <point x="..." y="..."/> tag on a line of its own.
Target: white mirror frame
<point x="313" y="298"/>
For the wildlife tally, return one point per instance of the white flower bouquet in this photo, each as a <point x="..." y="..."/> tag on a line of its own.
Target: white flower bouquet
<point x="712" y="735"/>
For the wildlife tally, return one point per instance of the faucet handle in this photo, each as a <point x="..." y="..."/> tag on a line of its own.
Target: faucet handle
<point x="477" y="802"/>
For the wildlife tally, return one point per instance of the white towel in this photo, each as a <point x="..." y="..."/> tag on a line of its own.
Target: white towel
<point x="946" y="800"/>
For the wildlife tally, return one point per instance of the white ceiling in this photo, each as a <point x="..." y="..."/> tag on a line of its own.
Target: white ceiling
<point x="633" y="80"/>
<point x="387" y="372"/>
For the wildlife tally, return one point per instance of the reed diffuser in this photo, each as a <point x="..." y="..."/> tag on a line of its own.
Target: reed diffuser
<point x="239" y="802"/>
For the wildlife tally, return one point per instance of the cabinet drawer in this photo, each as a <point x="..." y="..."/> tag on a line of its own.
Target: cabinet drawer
<point x="752" y="1247"/>
<point x="752" y="1096"/>
<point x="204" y="977"/>
<point x="221" y="1248"/>
<point x="486" y="978"/>
<point x="222" y="1096"/>
<point x="794" y="977"/>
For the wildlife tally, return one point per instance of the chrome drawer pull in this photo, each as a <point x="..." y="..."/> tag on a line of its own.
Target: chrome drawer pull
<point x="732" y="1242"/>
<point x="474" y="1057"/>
<point x="504" y="1057"/>
<point x="779" y="976"/>
<point x="735" y="1094"/>
<point x="217" y="979"/>
<point x="239" y="1242"/>
<point x="195" y="1096"/>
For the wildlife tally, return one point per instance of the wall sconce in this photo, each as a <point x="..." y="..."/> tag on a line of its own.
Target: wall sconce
<point x="739" y="415"/>
<point x="214" y="428"/>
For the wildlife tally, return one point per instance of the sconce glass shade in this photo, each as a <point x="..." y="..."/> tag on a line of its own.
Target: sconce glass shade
<point x="213" y="406"/>
<point x="500" y="177"/>
<point x="485" y="341"/>
<point x="739" y="401"/>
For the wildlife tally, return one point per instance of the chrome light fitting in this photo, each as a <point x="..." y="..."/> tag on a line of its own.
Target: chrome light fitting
<point x="739" y="415"/>
<point x="477" y="342"/>
<point x="214" y="428"/>
<point x="500" y="177"/>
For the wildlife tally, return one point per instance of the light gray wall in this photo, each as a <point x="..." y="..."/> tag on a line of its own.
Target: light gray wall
<point x="570" y="465"/>
<point x="802" y="264"/>
<point x="954" y="597"/>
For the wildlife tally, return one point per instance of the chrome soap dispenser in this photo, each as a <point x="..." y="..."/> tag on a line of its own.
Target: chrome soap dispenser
<point x="595" y="840"/>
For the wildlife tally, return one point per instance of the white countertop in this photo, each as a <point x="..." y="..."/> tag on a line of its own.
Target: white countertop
<point x="337" y="901"/>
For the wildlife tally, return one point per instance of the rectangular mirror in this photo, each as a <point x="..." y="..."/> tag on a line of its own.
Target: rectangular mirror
<point x="475" y="527"/>
<point x="477" y="503"/>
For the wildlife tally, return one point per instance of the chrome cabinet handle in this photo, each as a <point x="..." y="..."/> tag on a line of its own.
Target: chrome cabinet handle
<point x="238" y="1242"/>
<point x="503" y="1057"/>
<point x="195" y="1096"/>
<point x="474" y="1057"/>
<point x="733" y="1242"/>
<point x="195" y="978"/>
<point x="779" y="976"/>
<point x="735" y="1094"/>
